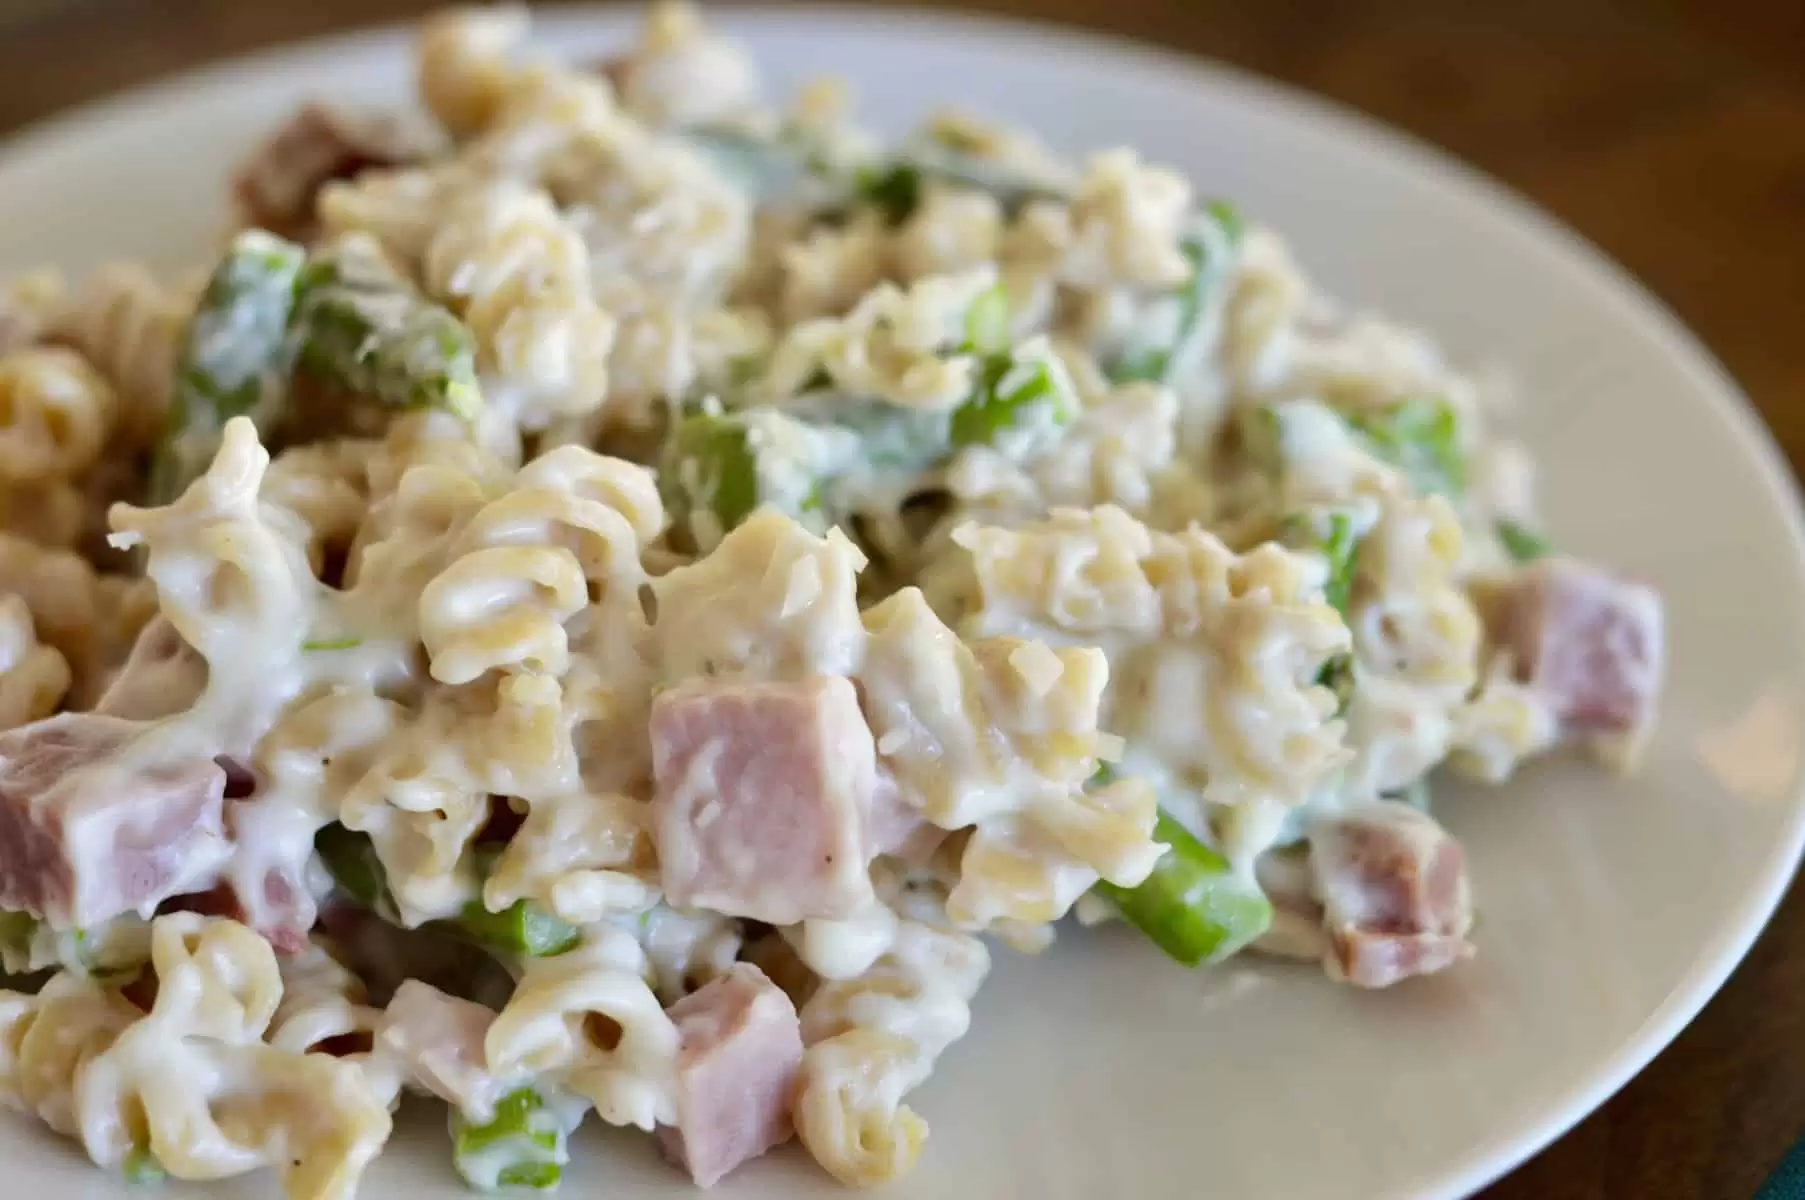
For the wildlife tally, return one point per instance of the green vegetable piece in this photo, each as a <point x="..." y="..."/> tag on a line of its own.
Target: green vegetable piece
<point x="521" y="928"/>
<point x="1338" y="676"/>
<point x="1522" y="544"/>
<point x="538" y="1176"/>
<point x="351" y="859"/>
<point x="234" y="358"/>
<point x="523" y="1145"/>
<point x="365" y="330"/>
<point x="1342" y="549"/>
<point x="894" y="187"/>
<point x="724" y="465"/>
<point x="142" y="1167"/>
<point x="324" y="644"/>
<point x="1193" y="906"/>
<point x="1156" y="365"/>
<point x="1421" y="437"/>
<point x="987" y="322"/>
<point x="1228" y="218"/>
<point x="1006" y="390"/>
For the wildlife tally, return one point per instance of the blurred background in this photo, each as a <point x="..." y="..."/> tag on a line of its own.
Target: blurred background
<point x="1669" y="132"/>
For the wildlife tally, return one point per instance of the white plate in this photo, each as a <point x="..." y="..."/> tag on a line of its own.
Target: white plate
<point x="1609" y="911"/>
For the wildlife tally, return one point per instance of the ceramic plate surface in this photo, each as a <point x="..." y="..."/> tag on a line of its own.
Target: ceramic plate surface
<point x="1609" y="911"/>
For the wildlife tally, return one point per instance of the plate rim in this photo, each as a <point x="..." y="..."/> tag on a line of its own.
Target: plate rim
<point x="1507" y="208"/>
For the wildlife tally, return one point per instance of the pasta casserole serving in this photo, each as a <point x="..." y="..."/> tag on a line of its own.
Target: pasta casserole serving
<point x="617" y="598"/>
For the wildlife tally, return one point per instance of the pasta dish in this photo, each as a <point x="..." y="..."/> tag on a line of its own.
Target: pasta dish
<point x="622" y="595"/>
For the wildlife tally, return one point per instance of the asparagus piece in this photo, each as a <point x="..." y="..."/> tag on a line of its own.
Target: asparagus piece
<point x="1421" y="437"/>
<point x="987" y="322"/>
<point x="1331" y="535"/>
<point x="716" y="463"/>
<point x="351" y="859"/>
<point x="1193" y="906"/>
<point x="1205" y="248"/>
<point x="363" y="329"/>
<point x="345" y="319"/>
<point x="1523" y="544"/>
<point x="523" y="928"/>
<point x="896" y="185"/>
<point x="523" y="1145"/>
<point x="1008" y="391"/>
<point x="234" y="357"/>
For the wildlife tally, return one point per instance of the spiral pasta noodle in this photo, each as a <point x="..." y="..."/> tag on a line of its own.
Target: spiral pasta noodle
<point x="1251" y="632"/>
<point x="130" y="326"/>
<point x="873" y="1039"/>
<point x="55" y="414"/>
<point x="311" y="1116"/>
<point x="519" y="275"/>
<point x="589" y="1016"/>
<point x="526" y="561"/>
<point x="33" y="676"/>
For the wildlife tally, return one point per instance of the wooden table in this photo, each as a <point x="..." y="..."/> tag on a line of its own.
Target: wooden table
<point x="1673" y="137"/>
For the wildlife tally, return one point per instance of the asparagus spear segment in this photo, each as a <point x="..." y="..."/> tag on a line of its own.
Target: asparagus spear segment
<point x="234" y="357"/>
<point x="366" y="331"/>
<point x="1008" y="391"/>
<point x="523" y="928"/>
<point x="522" y="1146"/>
<point x="716" y="462"/>
<point x="1421" y="437"/>
<point x="1193" y="906"/>
<point x="1330" y="534"/>
<point x="269" y="312"/>
<point x="351" y="859"/>
<point x="1207" y="248"/>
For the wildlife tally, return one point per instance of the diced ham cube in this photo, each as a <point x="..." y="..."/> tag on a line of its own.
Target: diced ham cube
<point x="85" y="836"/>
<point x="898" y="827"/>
<point x="440" y="1040"/>
<point x="162" y="675"/>
<point x="736" y="1070"/>
<point x="276" y="187"/>
<point x="763" y="800"/>
<point x="284" y="925"/>
<point x="1393" y="886"/>
<point x="1590" y="643"/>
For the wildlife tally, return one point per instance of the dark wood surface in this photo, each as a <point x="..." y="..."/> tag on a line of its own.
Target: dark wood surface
<point x="1670" y="132"/>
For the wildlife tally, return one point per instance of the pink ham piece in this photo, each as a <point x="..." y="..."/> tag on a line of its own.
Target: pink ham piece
<point x="84" y="837"/>
<point x="897" y="827"/>
<point x="763" y="799"/>
<point x="1393" y="886"/>
<point x="440" y="1038"/>
<point x="1587" y="641"/>
<point x="276" y="188"/>
<point x="736" y="1069"/>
